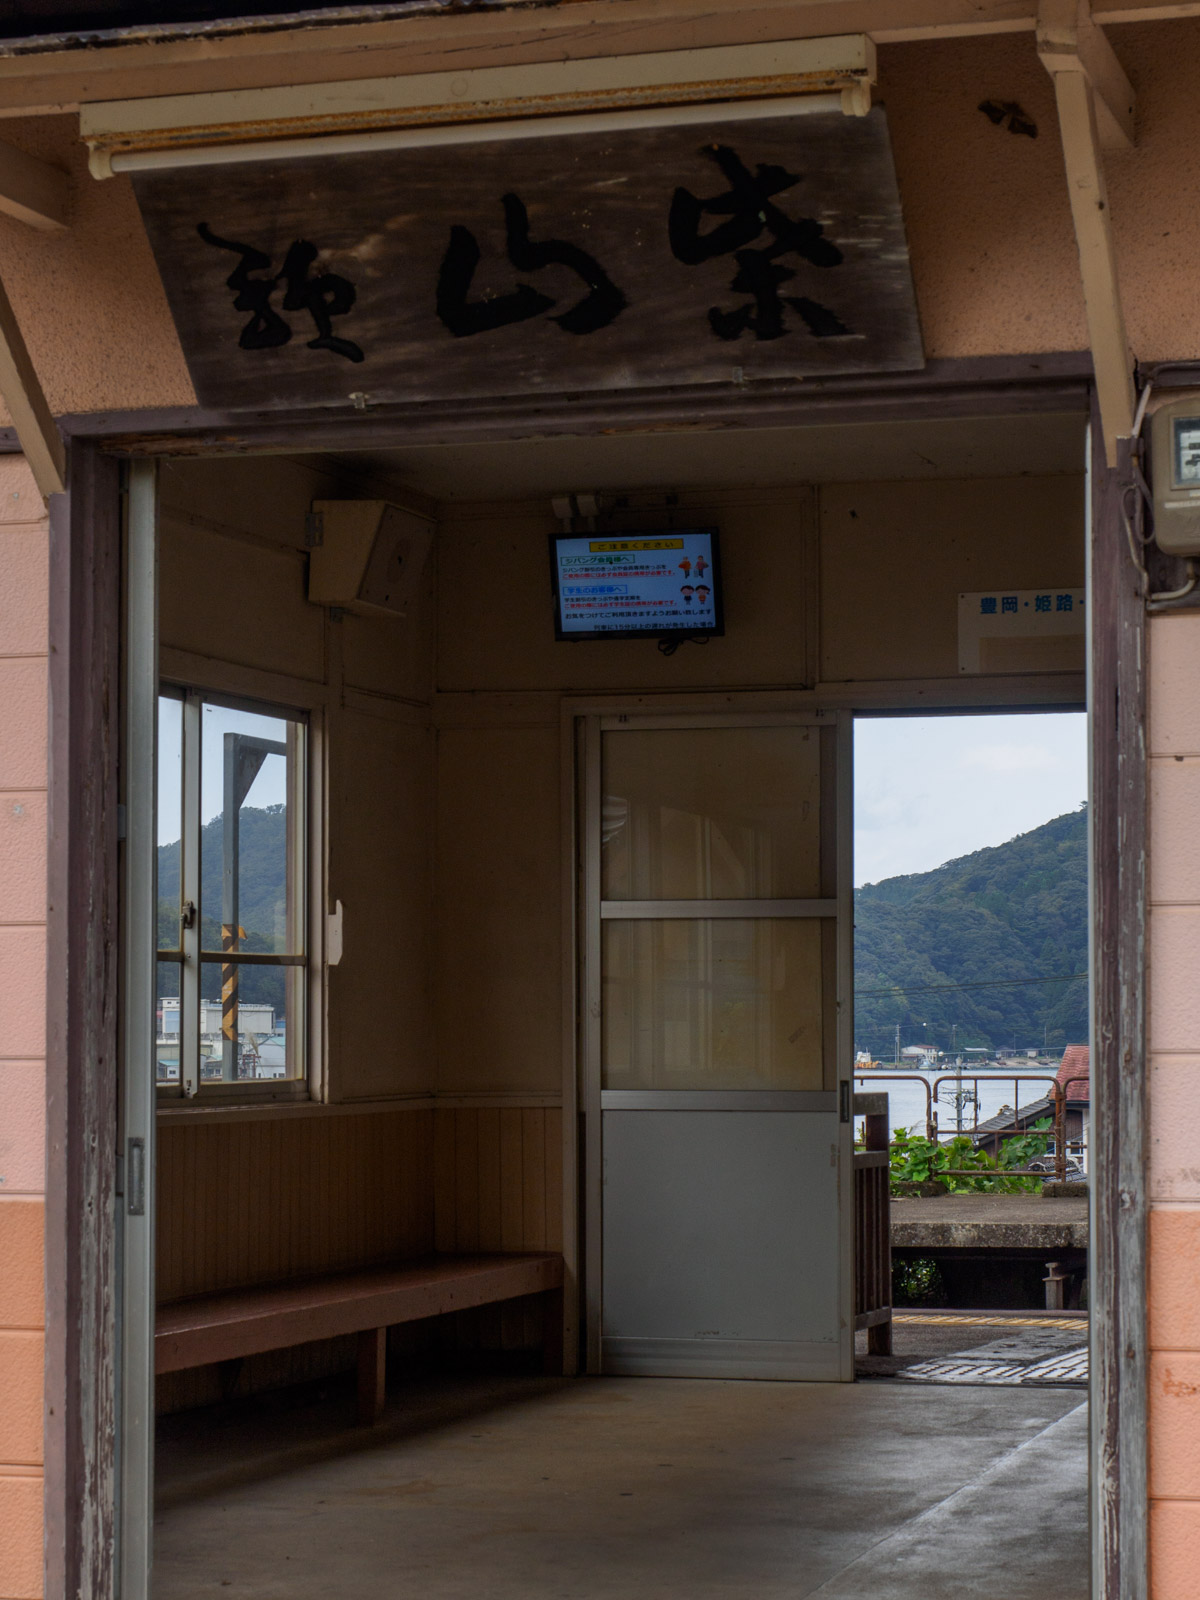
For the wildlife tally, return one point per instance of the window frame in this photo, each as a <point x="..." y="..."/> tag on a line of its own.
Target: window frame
<point x="306" y="871"/>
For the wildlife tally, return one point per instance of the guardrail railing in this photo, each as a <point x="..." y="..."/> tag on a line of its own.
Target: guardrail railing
<point x="1022" y="1120"/>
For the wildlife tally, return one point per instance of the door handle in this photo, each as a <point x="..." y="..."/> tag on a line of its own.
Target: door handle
<point x="844" y="1100"/>
<point x="135" y="1178"/>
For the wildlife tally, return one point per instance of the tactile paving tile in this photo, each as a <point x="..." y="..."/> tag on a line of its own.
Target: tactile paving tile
<point x="1071" y="1366"/>
<point x="954" y="1370"/>
<point x="999" y="1319"/>
<point x="1068" y="1366"/>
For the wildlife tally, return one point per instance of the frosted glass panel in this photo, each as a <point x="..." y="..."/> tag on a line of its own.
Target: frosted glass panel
<point x="724" y="1003"/>
<point x="711" y="814"/>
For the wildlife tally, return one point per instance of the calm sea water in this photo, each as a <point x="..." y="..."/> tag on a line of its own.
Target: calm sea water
<point x="907" y="1099"/>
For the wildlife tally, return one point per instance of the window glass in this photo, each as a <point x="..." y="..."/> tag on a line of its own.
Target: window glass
<point x="248" y="882"/>
<point x="721" y="1003"/>
<point x="170" y="818"/>
<point x="166" y="1023"/>
<point x="246" y="890"/>
<point x="711" y="814"/>
<point x="242" y="983"/>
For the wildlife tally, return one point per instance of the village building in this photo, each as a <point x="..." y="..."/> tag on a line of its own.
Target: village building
<point x="1073" y="1086"/>
<point x="504" y="447"/>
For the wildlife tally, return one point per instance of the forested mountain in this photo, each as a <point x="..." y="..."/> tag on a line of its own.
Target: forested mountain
<point x="262" y="873"/>
<point x="1016" y="911"/>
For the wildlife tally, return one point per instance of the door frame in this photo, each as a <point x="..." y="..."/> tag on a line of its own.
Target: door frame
<point x="589" y="722"/>
<point x="83" y="884"/>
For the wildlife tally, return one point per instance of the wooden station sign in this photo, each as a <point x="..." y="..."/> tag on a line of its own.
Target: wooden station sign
<point x="709" y="253"/>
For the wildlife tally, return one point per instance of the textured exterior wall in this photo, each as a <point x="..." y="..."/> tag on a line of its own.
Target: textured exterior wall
<point x="23" y="651"/>
<point x="987" y="213"/>
<point x="89" y="299"/>
<point x="989" y="224"/>
<point x="1174" y="1042"/>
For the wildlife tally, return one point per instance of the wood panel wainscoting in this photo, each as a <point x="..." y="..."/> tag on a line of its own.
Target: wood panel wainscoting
<point x="243" y="1202"/>
<point x="497" y="1186"/>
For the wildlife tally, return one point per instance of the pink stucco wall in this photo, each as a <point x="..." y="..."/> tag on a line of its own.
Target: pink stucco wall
<point x="1174" y="1042"/>
<point x="23" y="659"/>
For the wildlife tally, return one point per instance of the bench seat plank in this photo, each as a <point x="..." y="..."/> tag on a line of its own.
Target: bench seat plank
<point x="245" y="1322"/>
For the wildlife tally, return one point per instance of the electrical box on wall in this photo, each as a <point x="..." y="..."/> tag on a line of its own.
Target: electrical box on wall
<point x="1175" y="475"/>
<point x="367" y="555"/>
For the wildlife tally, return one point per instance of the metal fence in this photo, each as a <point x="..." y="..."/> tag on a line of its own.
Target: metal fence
<point x="1022" y="1121"/>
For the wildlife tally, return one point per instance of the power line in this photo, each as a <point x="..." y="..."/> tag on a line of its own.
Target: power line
<point x="995" y="983"/>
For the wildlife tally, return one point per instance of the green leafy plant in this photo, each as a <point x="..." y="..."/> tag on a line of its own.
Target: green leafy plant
<point x="1026" y="1147"/>
<point x="917" y="1282"/>
<point x="958" y="1168"/>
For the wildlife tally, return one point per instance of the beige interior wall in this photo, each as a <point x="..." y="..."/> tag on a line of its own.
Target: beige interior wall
<point x="257" y="1201"/>
<point x="495" y="615"/>
<point x="234" y="617"/>
<point x="891" y="561"/>
<point x="498" y="919"/>
<point x="895" y="557"/>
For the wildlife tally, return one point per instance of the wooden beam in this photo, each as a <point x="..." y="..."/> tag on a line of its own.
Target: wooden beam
<point x="1117" y="821"/>
<point x="1068" y="40"/>
<point x="32" y="190"/>
<point x="83" y="893"/>
<point x="1111" y="359"/>
<point x="434" y="37"/>
<point x="22" y="394"/>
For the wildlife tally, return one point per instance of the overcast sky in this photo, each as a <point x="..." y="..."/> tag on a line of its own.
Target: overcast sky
<point x="928" y="789"/>
<point x="268" y="789"/>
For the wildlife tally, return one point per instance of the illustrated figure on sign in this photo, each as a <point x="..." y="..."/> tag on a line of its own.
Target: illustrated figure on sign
<point x="324" y="296"/>
<point x="701" y="566"/>
<point x="748" y="206"/>
<point x="685" y="566"/>
<point x="702" y="594"/>
<point x="687" y="592"/>
<point x="601" y="305"/>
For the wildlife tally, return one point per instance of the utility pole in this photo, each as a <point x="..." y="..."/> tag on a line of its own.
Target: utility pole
<point x="897" y="1044"/>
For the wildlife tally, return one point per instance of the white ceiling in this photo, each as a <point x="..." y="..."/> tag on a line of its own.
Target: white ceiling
<point x="1032" y="445"/>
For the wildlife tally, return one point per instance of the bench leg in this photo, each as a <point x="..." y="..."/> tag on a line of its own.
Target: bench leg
<point x="552" y="1333"/>
<point x="879" y="1339"/>
<point x="372" y="1374"/>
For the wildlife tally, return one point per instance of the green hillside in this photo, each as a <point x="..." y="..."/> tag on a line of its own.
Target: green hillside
<point x="1017" y="911"/>
<point x="262" y="874"/>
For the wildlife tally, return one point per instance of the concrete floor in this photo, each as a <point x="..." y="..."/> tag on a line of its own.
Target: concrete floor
<point x="628" y="1489"/>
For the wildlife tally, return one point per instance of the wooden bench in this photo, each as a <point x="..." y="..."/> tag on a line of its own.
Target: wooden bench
<point x="246" y="1322"/>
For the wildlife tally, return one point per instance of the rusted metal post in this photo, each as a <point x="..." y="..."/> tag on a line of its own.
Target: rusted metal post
<point x="1060" y="1134"/>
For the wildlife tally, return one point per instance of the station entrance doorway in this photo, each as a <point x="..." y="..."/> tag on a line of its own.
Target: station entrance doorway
<point x="670" y="834"/>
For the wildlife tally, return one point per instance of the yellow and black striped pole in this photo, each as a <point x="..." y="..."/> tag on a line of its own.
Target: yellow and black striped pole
<point x="231" y="936"/>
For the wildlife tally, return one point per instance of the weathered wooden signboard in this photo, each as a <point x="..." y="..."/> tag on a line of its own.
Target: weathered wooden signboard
<point x="696" y="254"/>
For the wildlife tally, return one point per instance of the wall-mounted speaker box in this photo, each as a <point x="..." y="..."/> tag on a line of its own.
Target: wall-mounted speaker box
<point x="366" y="556"/>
